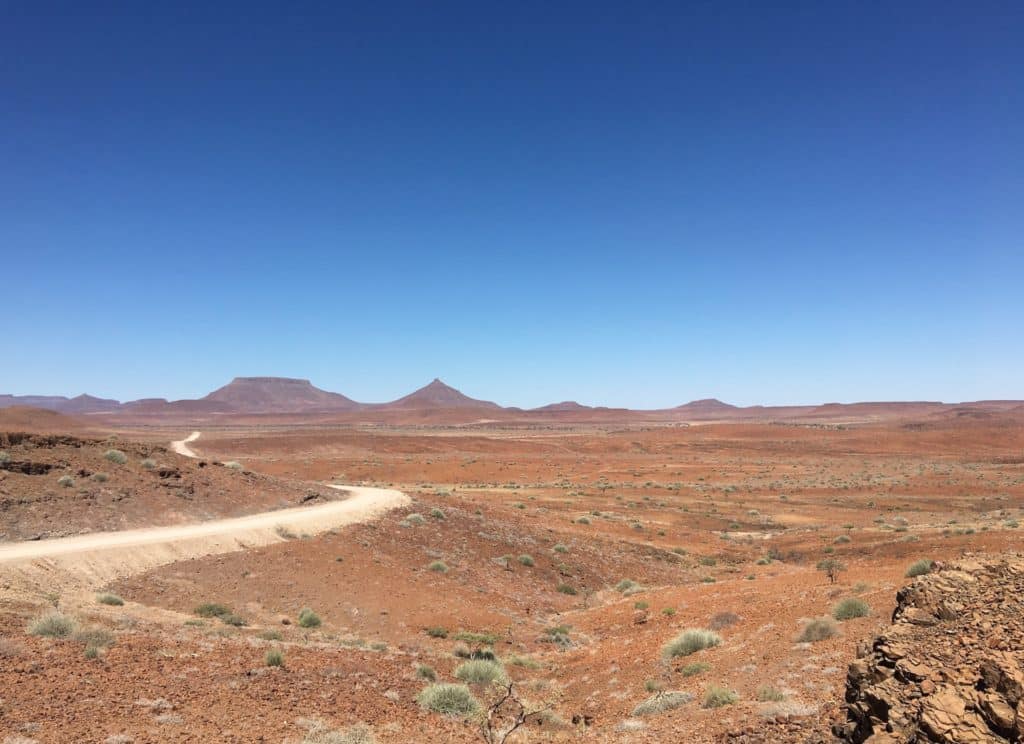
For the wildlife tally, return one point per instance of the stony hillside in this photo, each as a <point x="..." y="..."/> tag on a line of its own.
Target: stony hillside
<point x="951" y="666"/>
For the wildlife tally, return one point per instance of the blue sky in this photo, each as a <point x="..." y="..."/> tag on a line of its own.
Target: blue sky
<point x="623" y="204"/>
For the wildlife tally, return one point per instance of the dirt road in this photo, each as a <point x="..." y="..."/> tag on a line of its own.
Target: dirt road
<point x="103" y="556"/>
<point x="181" y="446"/>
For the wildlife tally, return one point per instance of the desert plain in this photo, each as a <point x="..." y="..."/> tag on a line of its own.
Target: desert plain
<point x="561" y="560"/>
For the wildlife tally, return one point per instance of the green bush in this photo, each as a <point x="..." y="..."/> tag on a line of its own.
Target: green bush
<point x="52" y="625"/>
<point x="768" y="694"/>
<point x="437" y="632"/>
<point x="560" y="548"/>
<point x="270" y="635"/>
<point x="692" y="670"/>
<point x="233" y="465"/>
<point x="850" y="608"/>
<point x="438" y="567"/>
<point x="480" y="672"/>
<point x="109" y="599"/>
<point x="426" y="672"/>
<point x="416" y="519"/>
<point x="233" y="620"/>
<point x="116" y="456"/>
<point x="567" y="589"/>
<point x="919" y="568"/>
<point x="274" y="657"/>
<point x="660" y="702"/>
<point x="308" y="618"/>
<point x="716" y="697"/>
<point x="818" y="629"/>
<point x="149" y="463"/>
<point x="4" y="457"/>
<point x="485" y="639"/>
<point x="526" y="560"/>
<point x="448" y="699"/>
<point x="626" y="585"/>
<point x="100" y="477"/>
<point x="212" y="609"/>
<point x="690" y="642"/>
<point x="66" y="481"/>
<point x="436" y="513"/>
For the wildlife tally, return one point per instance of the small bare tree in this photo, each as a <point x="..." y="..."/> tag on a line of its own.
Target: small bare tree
<point x="831" y="567"/>
<point x="506" y="714"/>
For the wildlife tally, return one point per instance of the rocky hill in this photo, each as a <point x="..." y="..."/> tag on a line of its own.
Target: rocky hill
<point x="951" y="666"/>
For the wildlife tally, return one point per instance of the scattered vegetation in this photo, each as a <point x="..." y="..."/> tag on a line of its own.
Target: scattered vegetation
<point x="831" y="567"/>
<point x="920" y="568"/>
<point x="722" y="620"/>
<point x="768" y="694"/>
<point x="116" y="456"/>
<point x="818" y="629"/>
<point x="690" y="642"/>
<point x="480" y="672"/>
<point x="850" y="608"/>
<point x="66" y="481"/>
<point x="448" y="700"/>
<point x="109" y="599"/>
<point x="212" y="609"/>
<point x="52" y="625"/>
<point x="274" y="657"/>
<point x="660" y="702"/>
<point x="438" y="567"/>
<point x="308" y="618"/>
<point x="526" y="560"/>
<point x="320" y="733"/>
<point x="716" y="697"/>
<point x="692" y="670"/>
<point x="423" y="671"/>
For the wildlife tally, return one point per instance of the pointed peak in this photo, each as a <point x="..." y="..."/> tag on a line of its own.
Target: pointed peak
<point x="439" y="394"/>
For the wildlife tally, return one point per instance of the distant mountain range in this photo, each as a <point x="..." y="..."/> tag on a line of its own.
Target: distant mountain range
<point x="256" y="396"/>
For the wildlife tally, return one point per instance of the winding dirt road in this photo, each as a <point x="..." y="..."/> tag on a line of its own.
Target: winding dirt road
<point x="181" y="445"/>
<point x="103" y="556"/>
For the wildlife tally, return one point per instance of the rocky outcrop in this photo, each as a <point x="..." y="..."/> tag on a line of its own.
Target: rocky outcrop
<point x="951" y="666"/>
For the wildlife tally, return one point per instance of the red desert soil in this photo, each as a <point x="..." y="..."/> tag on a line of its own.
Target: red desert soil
<point x="718" y="526"/>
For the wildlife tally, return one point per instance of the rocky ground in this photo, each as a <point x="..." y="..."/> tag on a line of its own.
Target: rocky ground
<point x="718" y="527"/>
<point x="951" y="666"/>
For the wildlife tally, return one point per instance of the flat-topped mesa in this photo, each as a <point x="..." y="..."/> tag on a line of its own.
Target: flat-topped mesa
<point x="278" y="395"/>
<point x="277" y="380"/>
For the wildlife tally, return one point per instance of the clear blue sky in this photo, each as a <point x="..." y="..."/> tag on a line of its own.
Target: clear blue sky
<point x="627" y="204"/>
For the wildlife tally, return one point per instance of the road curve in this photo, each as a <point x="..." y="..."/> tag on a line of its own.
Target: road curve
<point x="103" y="556"/>
<point x="181" y="445"/>
<point x="363" y="504"/>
